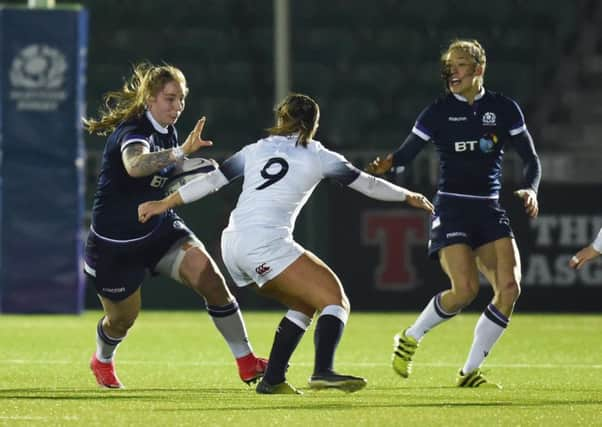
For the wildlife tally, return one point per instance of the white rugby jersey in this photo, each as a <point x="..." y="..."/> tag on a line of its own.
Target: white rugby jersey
<point x="279" y="176"/>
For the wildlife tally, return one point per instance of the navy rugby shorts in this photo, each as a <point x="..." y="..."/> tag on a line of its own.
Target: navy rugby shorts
<point x="117" y="268"/>
<point x="473" y="222"/>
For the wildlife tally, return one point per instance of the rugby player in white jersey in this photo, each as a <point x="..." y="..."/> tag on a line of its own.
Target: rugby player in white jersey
<point x="280" y="173"/>
<point x="587" y="253"/>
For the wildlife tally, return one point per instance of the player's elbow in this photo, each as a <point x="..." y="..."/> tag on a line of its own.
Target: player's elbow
<point x="134" y="173"/>
<point x="133" y="170"/>
<point x="533" y="159"/>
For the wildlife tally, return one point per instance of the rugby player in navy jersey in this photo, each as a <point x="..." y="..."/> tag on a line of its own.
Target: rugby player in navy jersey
<point x="141" y="151"/>
<point x="470" y="232"/>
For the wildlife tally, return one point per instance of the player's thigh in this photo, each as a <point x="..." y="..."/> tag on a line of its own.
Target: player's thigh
<point x="499" y="261"/>
<point x="458" y="262"/>
<point x="310" y="281"/>
<point x="187" y="262"/>
<point x="198" y="263"/>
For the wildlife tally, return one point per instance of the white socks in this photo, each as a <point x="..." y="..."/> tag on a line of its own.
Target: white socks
<point x="432" y="315"/>
<point x="228" y="320"/>
<point x="105" y="345"/>
<point x="490" y="327"/>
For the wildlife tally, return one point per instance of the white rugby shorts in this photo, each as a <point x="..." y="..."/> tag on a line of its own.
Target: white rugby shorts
<point x="258" y="255"/>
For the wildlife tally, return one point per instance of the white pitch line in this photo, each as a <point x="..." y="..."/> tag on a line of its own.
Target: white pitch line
<point x="36" y="418"/>
<point x="365" y="364"/>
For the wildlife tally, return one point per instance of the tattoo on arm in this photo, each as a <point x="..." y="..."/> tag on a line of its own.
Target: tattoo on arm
<point x="139" y="162"/>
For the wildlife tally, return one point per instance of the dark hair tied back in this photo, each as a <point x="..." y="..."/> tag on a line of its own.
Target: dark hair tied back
<point x="297" y="113"/>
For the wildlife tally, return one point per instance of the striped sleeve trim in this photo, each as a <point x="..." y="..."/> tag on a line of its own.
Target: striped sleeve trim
<point x="517" y="130"/>
<point x="133" y="141"/>
<point x="421" y="134"/>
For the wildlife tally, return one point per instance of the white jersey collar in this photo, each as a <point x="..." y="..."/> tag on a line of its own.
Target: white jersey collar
<point x="156" y="125"/>
<point x="476" y="98"/>
<point x="290" y="137"/>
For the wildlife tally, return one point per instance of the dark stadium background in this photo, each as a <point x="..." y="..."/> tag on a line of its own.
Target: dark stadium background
<point x="373" y="66"/>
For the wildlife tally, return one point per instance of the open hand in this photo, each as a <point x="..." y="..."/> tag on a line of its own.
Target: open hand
<point x="380" y="166"/>
<point x="419" y="201"/>
<point x="194" y="140"/>
<point x="583" y="256"/>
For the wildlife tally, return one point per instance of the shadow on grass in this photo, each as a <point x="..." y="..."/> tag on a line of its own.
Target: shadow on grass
<point x="456" y="389"/>
<point x="312" y="405"/>
<point x="309" y="401"/>
<point x="123" y="394"/>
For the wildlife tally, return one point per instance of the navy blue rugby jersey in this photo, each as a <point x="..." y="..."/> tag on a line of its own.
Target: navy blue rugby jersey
<point x="470" y="140"/>
<point x="115" y="208"/>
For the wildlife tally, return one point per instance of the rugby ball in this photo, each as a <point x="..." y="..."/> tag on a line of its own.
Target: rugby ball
<point x="187" y="170"/>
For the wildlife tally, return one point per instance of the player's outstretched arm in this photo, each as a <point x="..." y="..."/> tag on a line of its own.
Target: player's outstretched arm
<point x="380" y="166"/>
<point x="147" y="210"/>
<point x="588" y="253"/>
<point x="400" y="158"/>
<point x="379" y="189"/>
<point x="584" y="255"/>
<point x="191" y="191"/>
<point x="419" y="201"/>
<point x="139" y="161"/>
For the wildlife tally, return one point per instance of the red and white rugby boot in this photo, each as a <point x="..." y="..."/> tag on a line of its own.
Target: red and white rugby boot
<point x="251" y="368"/>
<point x="105" y="373"/>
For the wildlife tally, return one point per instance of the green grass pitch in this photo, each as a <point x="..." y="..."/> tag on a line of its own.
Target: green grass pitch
<point x="178" y="372"/>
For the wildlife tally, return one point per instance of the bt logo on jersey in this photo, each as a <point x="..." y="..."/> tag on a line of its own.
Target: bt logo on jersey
<point x="158" y="181"/>
<point x="486" y="144"/>
<point x="460" y="146"/>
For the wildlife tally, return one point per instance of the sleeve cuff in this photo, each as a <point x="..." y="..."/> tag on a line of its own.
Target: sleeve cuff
<point x="597" y="244"/>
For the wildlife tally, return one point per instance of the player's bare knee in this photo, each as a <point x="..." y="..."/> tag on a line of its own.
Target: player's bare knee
<point x="119" y="325"/>
<point x="192" y="264"/>
<point x="464" y="293"/>
<point x="509" y="292"/>
<point x="334" y="298"/>
<point x="210" y="284"/>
